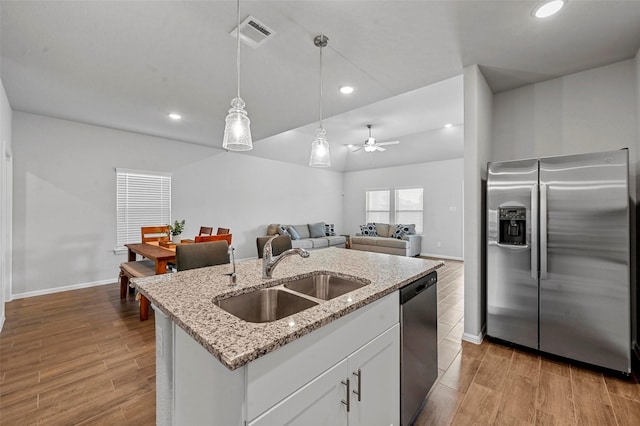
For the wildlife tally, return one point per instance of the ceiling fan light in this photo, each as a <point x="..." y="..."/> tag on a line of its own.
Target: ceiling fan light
<point x="320" y="155"/>
<point x="369" y="148"/>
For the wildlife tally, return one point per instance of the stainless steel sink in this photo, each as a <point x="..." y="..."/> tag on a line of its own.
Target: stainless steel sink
<point x="324" y="286"/>
<point x="265" y="305"/>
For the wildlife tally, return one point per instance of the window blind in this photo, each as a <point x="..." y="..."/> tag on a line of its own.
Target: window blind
<point x="143" y="199"/>
<point x="378" y="206"/>
<point x="409" y="207"/>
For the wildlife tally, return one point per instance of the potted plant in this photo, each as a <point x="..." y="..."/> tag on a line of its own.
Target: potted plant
<point x="176" y="229"/>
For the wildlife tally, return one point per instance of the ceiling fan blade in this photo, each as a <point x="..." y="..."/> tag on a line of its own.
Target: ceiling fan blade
<point x="379" y="148"/>
<point x="357" y="149"/>
<point x="389" y="143"/>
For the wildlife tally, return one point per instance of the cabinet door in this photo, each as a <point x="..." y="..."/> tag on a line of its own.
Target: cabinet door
<point x="317" y="403"/>
<point x="374" y="369"/>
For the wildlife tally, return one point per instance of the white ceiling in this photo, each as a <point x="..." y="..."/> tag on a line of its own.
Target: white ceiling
<point x="126" y="64"/>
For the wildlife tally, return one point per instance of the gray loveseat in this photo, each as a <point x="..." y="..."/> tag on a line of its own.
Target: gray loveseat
<point x="304" y="232"/>
<point x="381" y="240"/>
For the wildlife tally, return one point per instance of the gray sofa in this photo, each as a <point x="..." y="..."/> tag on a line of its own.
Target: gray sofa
<point x="382" y="241"/>
<point x="306" y="241"/>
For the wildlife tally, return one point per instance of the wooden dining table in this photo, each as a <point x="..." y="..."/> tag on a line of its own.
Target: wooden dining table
<point x="160" y="255"/>
<point x="153" y="251"/>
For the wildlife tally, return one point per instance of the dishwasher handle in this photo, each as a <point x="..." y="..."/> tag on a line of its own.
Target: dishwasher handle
<point x="413" y="289"/>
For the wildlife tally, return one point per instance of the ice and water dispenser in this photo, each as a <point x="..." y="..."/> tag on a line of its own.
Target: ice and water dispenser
<point x="513" y="226"/>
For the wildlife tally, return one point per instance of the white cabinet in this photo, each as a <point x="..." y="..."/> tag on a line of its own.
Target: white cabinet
<point x="317" y="403"/>
<point x="378" y="365"/>
<point x="300" y="383"/>
<point x="371" y="375"/>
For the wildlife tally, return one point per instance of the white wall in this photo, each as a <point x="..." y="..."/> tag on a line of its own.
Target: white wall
<point x="65" y="197"/>
<point x="442" y="183"/>
<point x="590" y="111"/>
<point x="5" y="201"/>
<point x="65" y="205"/>
<point x="478" y="108"/>
<point x="246" y="193"/>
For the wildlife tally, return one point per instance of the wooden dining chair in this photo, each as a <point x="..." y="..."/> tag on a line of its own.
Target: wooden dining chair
<point x="210" y="238"/>
<point x="192" y="256"/>
<point x="278" y="245"/>
<point x="155" y="233"/>
<point x="222" y="231"/>
<point x="206" y="230"/>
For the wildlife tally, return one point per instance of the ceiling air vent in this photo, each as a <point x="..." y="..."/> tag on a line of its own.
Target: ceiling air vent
<point x="253" y="32"/>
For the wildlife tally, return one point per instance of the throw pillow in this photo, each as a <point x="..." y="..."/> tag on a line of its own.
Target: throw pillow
<point x="294" y="234"/>
<point x="382" y="229"/>
<point x="316" y="230"/>
<point x="329" y="229"/>
<point x="401" y="231"/>
<point x="282" y="230"/>
<point x="273" y="229"/>
<point x="368" y="230"/>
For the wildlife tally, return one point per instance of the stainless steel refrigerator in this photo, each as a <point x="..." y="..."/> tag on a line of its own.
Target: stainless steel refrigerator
<point x="558" y="275"/>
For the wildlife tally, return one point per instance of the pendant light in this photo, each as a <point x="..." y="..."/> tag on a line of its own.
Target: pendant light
<point x="237" y="133"/>
<point x="320" y="156"/>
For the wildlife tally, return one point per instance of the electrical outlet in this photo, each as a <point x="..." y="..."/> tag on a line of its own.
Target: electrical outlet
<point x="453" y="209"/>
<point x="438" y="244"/>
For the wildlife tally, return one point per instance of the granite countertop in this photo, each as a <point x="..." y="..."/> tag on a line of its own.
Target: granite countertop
<point x="188" y="298"/>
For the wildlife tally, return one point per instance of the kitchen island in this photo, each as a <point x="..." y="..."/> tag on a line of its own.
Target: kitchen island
<point x="214" y="368"/>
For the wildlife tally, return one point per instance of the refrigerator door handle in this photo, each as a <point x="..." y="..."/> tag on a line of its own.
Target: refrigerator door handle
<point x="534" y="232"/>
<point x="543" y="231"/>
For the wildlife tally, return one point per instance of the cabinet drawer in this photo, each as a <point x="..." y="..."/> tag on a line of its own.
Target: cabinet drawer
<point x="278" y="374"/>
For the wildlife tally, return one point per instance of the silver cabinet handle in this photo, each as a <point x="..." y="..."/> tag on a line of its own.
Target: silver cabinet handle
<point x="543" y="231"/>
<point x="358" y="374"/>
<point x="534" y="232"/>
<point x="348" y="401"/>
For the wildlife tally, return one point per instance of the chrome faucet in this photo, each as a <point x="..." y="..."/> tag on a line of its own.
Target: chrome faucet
<point x="232" y="275"/>
<point x="269" y="261"/>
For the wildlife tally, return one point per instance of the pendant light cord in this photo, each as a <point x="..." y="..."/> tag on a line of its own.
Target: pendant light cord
<point x="320" y="100"/>
<point x="238" y="45"/>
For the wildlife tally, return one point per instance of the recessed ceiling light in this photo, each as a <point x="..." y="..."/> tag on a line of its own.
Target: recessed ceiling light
<point x="175" y="116"/>
<point x="346" y="90"/>
<point x="549" y="8"/>
<point x="448" y="125"/>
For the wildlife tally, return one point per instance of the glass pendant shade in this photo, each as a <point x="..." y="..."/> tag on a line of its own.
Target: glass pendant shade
<point x="320" y="155"/>
<point x="237" y="133"/>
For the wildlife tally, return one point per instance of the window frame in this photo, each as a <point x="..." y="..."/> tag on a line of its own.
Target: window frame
<point x="366" y="203"/>
<point x="393" y="205"/>
<point x="131" y="189"/>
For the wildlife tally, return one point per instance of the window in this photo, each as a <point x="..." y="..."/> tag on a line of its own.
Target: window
<point x="409" y="206"/>
<point x="143" y="199"/>
<point x="378" y="206"/>
<point x="404" y="208"/>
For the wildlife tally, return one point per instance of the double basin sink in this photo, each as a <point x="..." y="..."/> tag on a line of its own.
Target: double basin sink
<point x="270" y="304"/>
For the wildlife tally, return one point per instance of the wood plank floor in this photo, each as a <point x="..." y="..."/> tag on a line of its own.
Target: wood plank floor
<point x="77" y="357"/>
<point x="83" y="357"/>
<point x="491" y="384"/>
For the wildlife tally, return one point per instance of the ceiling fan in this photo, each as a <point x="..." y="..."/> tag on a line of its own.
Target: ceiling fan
<point x="370" y="145"/>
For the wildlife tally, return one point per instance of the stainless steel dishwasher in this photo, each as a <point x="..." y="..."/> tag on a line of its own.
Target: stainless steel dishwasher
<point x="419" y="344"/>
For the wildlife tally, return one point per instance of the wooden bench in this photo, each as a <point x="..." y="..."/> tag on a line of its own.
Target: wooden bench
<point x="136" y="269"/>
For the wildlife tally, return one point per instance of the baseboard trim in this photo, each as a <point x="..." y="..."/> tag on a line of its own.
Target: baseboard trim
<point x="474" y="338"/>
<point x="440" y="256"/>
<point x="61" y="289"/>
<point x="1" y="322"/>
